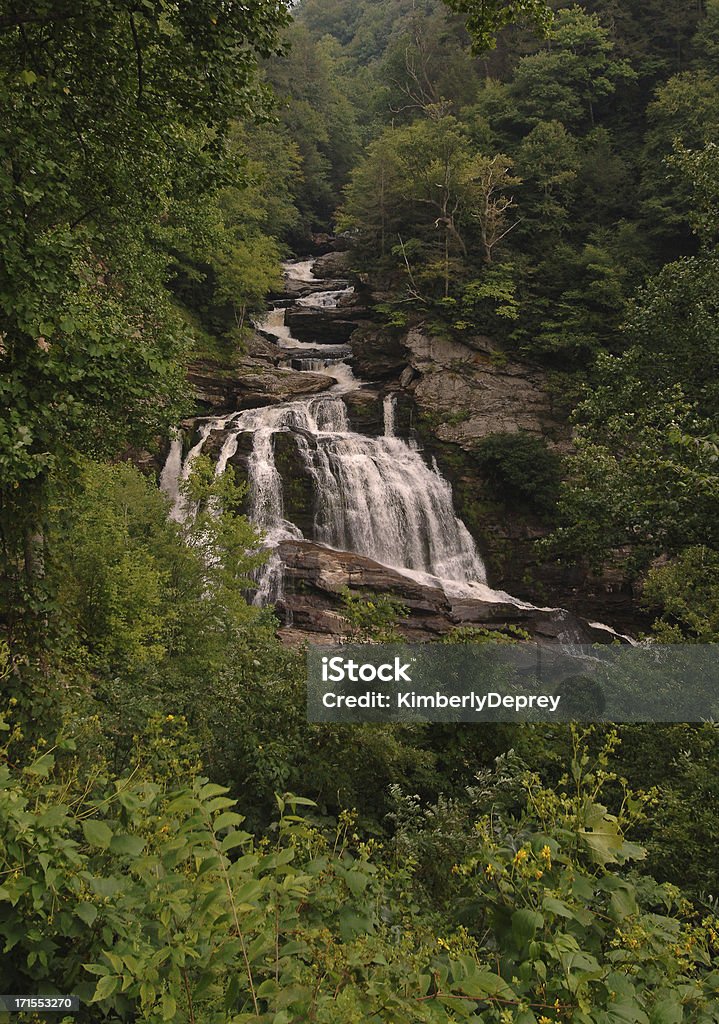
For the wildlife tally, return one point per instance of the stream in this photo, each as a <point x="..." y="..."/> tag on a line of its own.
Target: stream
<point x="377" y="497"/>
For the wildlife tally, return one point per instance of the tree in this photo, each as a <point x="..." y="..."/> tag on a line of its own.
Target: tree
<point x="428" y="66"/>
<point x="606" y="181"/>
<point x="113" y="114"/>
<point x="645" y="476"/>
<point x="706" y="39"/>
<point x="313" y="83"/>
<point x="491" y="179"/>
<point x="371" y="206"/>
<point x="573" y="74"/>
<point x="548" y="161"/>
<point x="424" y="175"/>
<point x="485" y="18"/>
<point x="684" y="114"/>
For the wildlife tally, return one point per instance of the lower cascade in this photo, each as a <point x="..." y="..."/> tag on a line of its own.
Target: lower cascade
<point x="373" y="496"/>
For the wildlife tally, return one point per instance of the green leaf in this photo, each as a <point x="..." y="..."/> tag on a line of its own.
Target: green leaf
<point x="42" y="767"/>
<point x="97" y="833"/>
<point x="481" y="982"/>
<point x="629" y="1012"/>
<point x="227" y="820"/>
<point x="132" y="845"/>
<point x="603" y="844"/>
<point x="105" y="987"/>
<point x="53" y="816"/>
<point x="667" y="1009"/>
<point x="555" y="906"/>
<point x="87" y="912"/>
<point x="352" y="924"/>
<point x="211" y="789"/>
<point x="233" y="840"/>
<point x="525" y="924"/>
<point x="623" y="903"/>
<point x="249" y="891"/>
<point x="219" y="804"/>
<point x="356" y="882"/>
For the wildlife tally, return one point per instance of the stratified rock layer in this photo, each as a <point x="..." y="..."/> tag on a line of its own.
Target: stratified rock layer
<point x="251" y="380"/>
<point x="316" y="577"/>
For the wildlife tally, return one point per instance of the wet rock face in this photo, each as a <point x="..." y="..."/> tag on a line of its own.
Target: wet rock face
<point x="332" y="265"/>
<point x="211" y="385"/>
<point x="300" y="289"/>
<point x="298" y="492"/>
<point x="273" y="387"/>
<point x="247" y="389"/>
<point x="365" y="413"/>
<point x="322" y="326"/>
<point x="316" y="576"/>
<point x="320" y="242"/>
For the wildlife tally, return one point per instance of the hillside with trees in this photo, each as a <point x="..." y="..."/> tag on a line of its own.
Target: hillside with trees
<point x="521" y="196"/>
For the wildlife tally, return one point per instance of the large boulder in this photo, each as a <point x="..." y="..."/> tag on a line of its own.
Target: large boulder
<point x="316" y="577"/>
<point x="249" y="384"/>
<point x="292" y="290"/>
<point x="332" y="265"/>
<point x="365" y="412"/>
<point x="378" y="353"/>
<point x="273" y="386"/>
<point x="323" y="326"/>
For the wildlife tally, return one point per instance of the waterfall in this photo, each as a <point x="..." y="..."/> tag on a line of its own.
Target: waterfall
<point x="175" y="473"/>
<point x="273" y="322"/>
<point x="326" y="300"/>
<point x="315" y="365"/>
<point x="388" y="408"/>
<point x="300" y="270"/>
<point x="373" y="496"/>
<point x="378" y="497"/>
<point x="170" y="476"/>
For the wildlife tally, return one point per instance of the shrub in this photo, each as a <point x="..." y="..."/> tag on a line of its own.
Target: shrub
<point x="521" y="468"/>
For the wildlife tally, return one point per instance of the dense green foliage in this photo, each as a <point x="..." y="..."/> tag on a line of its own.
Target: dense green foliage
<point x="557" y="192"/>
<point x="113" y="124"/>
<point x="144" y="894"/>
<point x="520" y="468"/>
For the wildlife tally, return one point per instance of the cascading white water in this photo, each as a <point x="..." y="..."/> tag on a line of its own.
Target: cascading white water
<point x="315" y="365"/>
<point x="273" y="322"/>
<point x="176" y="472"/>
<point x="325" y="300"/>
<point x="374" y="496"/>
<point x="300" y="270"/>
<point x="170" y="476"/>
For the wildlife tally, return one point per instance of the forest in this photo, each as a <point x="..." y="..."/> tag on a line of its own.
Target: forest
<point x="524" y="199"/>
